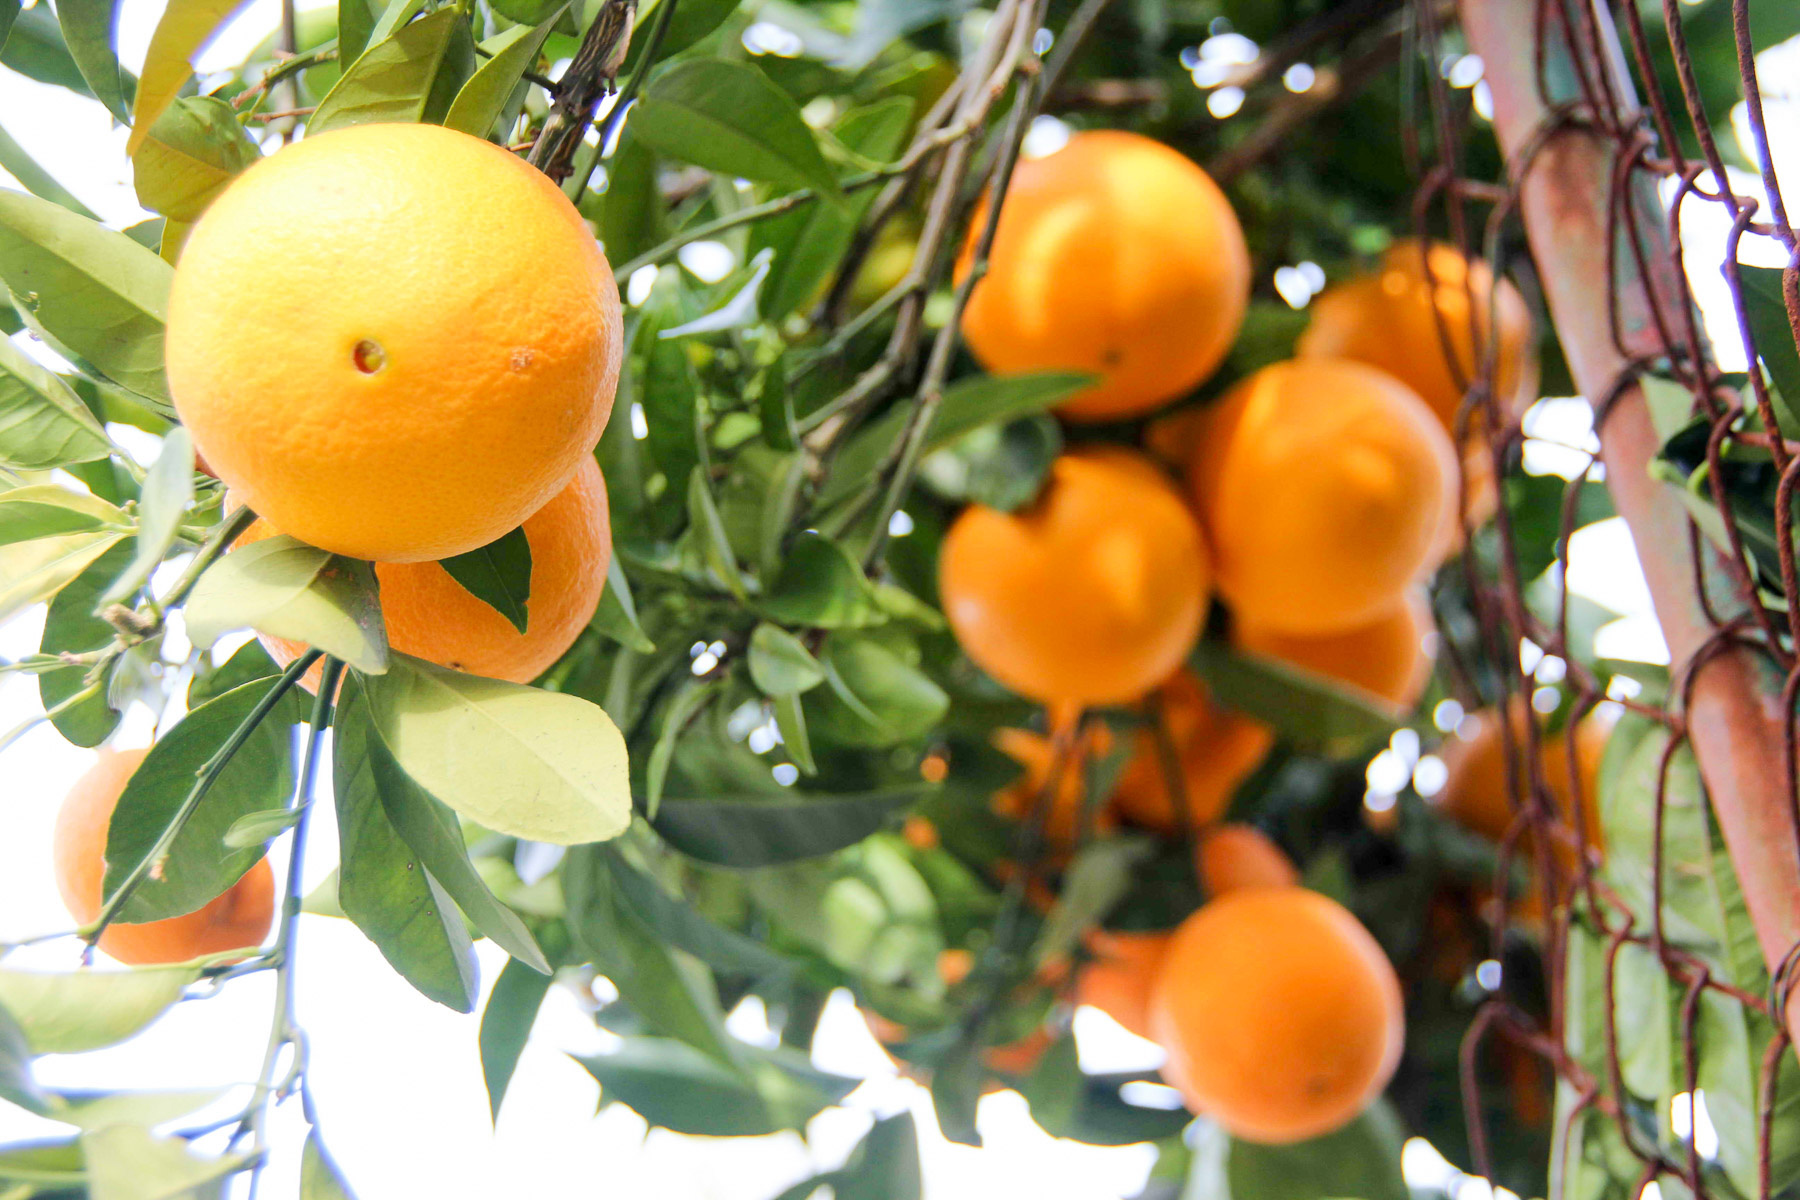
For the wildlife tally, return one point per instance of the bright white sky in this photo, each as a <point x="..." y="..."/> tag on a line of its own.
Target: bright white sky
<point x="396" y="1077"/>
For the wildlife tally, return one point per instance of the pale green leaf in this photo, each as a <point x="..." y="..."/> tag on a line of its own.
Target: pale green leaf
<point x="68" y="1012"/>
<point x="287" y="589"/>
<point x="43" y="424"/>
<point x="184" y="30"/>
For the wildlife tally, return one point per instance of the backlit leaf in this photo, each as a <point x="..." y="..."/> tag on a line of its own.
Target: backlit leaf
<point x="729" y="118"/>
<point x="167" y="492"/>
<point x="184" y="30"/>
<point x="506" y="1022"/>
<point x="195" y="148"/>
<point x="69" y="1012"/>
<point x="282" y="587"/>
<point x="481" y="101"/>
<point x="88" y="30"/>
<point x="403" y="78"/>
<point x="43" y="424"/>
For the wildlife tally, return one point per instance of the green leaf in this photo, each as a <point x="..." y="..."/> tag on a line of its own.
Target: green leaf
<point x="631" y="211"/>
<point x="497" y="574"/>
<point x="260" y="828"/>
<point x="382" y="886"/>
<point x="434" y="835"/>
<point x="88" y="30"/>
<point x="198" y="867"/>
<point x="875" y="697"/>
<point x="1765" y="310"/>
<point x="780" y="664"/>
<point x="70" y="626"/>
<point x="790" y="719"/>
<point x="125" y="1162"/>
<point x="320" y="1178"/>
<point x="810" y="241"/>
<point x="730" y="118"/>
<point x="674" y="1086"/>
<point x="481" y="101"/>
<point x="759" y="832"/>
<point x="284" y="588"/>
<point x="740" y="311"/>
<point x="616" y="616"/>
<point x="679" y="924"/>
<point x="71" y="1012"/>
<point x="53" y="1164"/>
<point x="9" y="12"/>
<point x="32" y="572"/>
<point x="97" y="1110"/>
<point x="16" y="1083"/>
<point x="44" y="510"/>
<point x="1313" y="711"/>
<point x="402" y="78"/>
<point x="506" y="1022"/>
<point x="92" y="290"/>
<point x="689" y="700"/>
<point x="693" y="20"/>
<point x="185" y="28"/>
<point x="1362" y="1159"/>
<point x="1000" y="466"/>
<point x="248" y="663"/>
<point x="38" y="181"/>
<point x="34" y="48"/>
<point x="820" y="585"/>
<point x="195" y="148"/>
<point x="518" y="760"/>
<point x="43" y="423"/>
<point x="167" y="492"/>
<point x="703" y="512"/>
<point x="885" y="1166"/>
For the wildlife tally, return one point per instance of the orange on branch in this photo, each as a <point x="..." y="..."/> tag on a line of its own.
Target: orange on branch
<point x="1090" y="595"/>
<point x="430" y="615"/>
<point x="1386" y="657"/>
<point x="1216" y="748"/>
<point x="1117" y="256"/>
<point x="396" y="342"/>
<point x="1117" y="979"/>
<point x="238" y="919"/>
<point x="1281" y="1016"/>
<point x="1479" y="795"/>
<point x="1234" y="856"/>
<point x="1400" y="317"/>
<point x="1037" y="755"/>
<point x="1322" y="485"/>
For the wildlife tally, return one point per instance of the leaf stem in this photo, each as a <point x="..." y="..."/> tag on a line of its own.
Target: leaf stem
<point x="615" y="116"/>
<point x="209" y="774"/>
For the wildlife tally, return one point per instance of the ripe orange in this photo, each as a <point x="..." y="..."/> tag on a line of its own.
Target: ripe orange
<point x="1117" y="256"/>
<point x="1386" y="657"/>
<point x="1234" y="856"/>
<point x="430" y="615"/>
<point x="1037" y="754"/>
<point x="1090" y="595"/>
<point x="1391" y="319"/>
<point x="1322" y="485"/>
<point x="1118" y="978"/>
<point x="1217" y="749"/>
<point x="237" y="919"/>
<point x="1476" y="793"/>
<point x="394" y="341"/>
<point x="1281" y="1016"/>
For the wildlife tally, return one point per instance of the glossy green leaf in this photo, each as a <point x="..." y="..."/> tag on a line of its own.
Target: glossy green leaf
<point x="402" y="78"/>
<point x="679" y="924"/>
<point x="780" y="663"/>
<point x="730" y="118"/>
<point x="31" y="572"/>
<point x="518" y="760"/>
<point x="1362" y="1159"/>
<point x="43" y="424"/>
<point x="1766" y="311"/>
<point x="616" y="616"/>
<point x="497" y="574"/>
<point x="198" y="867"/>
<point x="709" y="528"/>
<point x="691" y="21"/>
<point x="1313" y="711"/>
<point x="320" y="1178"/>
<point x="34" y="47"/>
<point x="382" y="885"/>
<point x="820" y="585"/>
<point x="790" y="719"/>
<point x="481" y="101"/>
<point x="674" y="1086"/>
<point x="195" y="148"/>
<point x="168" y="490"/>
<point x="282" y="587"/>
<point x="69" y="1012"/>
<point x="94" y="291"/>
<point x="437" y="838"/>
<point x="764" y="832"/>
<point x="45" y="510"/>
<point x="70" y="626"/>
<point x="247" y="663"/>
<point x="260" y="828"/>
<point x="631" y="211"/>
<point x="88" y="30"/>
<point x="506" y="1022"/>
<point x="126" y="1162"/>
<point x="873" y="696"/>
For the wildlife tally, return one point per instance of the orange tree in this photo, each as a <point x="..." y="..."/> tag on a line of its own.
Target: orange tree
<point x="958" y="556"/>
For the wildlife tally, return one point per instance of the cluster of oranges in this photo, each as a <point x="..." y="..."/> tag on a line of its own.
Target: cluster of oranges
<point x="397" y="343"/>
<point x="1314" y="499"/>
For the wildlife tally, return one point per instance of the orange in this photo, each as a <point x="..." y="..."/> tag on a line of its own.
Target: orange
<point x="1281" y="1016"/>
<point x="1234" y="856"/>
<point x="1117" y="979"/>
<point x="1386" y="657"/>
<point x="1217" y="749"/>
<point x="1476" y="793"/>
<point x="1392" y="318"/>
<point x="1090" y="595"/>
<point x="1116" y="256"/>
<point x="430" y="615"/>
<point x="239" y="918"/>
<point x="395" y="342"/>
<point x="1322" y="485"/>
<point x="1037" y="754"/>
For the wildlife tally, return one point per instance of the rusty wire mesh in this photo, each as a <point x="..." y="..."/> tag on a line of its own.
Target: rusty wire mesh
<point x="1656" y="327"/>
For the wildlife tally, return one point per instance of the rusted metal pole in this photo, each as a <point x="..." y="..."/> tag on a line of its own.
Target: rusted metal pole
<point x="1565" y="176"/>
